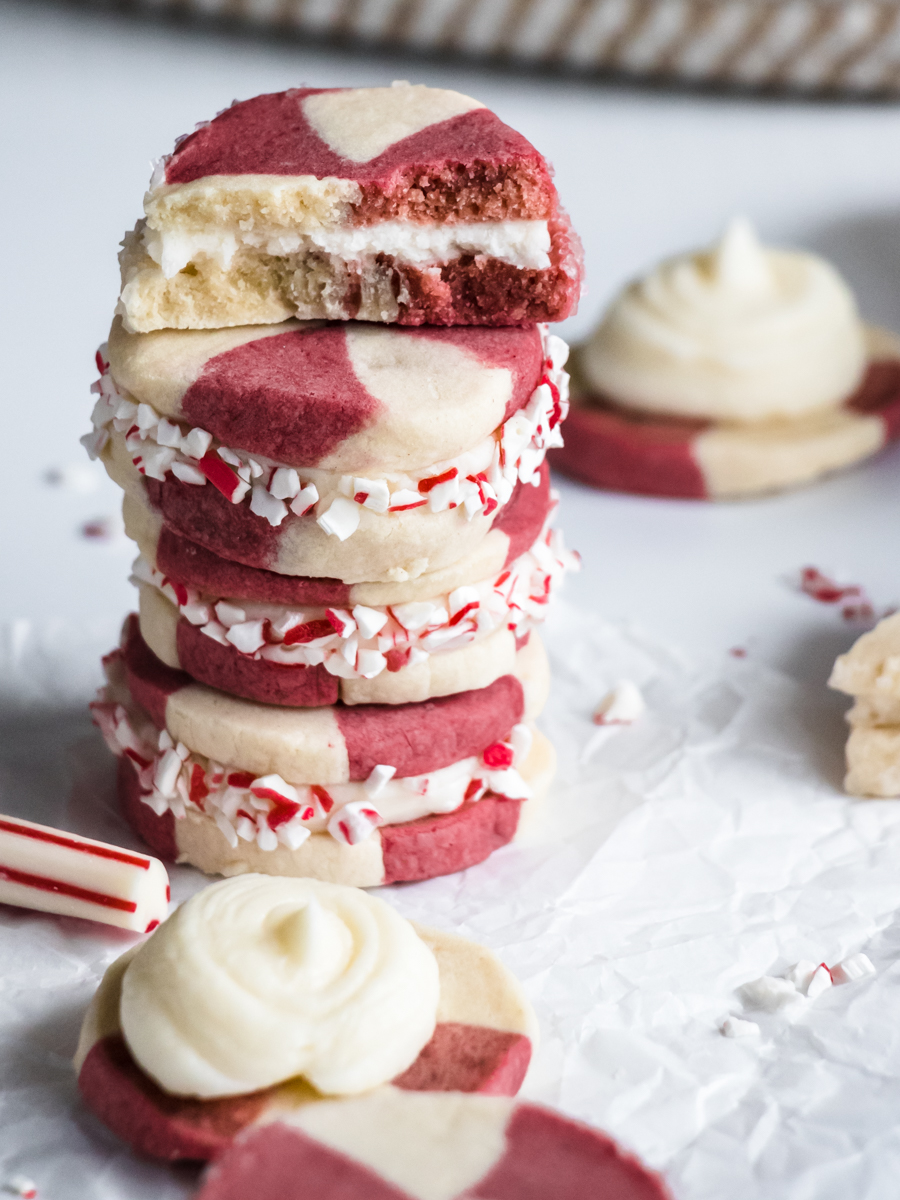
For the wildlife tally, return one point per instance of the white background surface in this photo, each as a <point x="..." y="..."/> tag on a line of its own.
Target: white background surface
<point x="87" y="101"/>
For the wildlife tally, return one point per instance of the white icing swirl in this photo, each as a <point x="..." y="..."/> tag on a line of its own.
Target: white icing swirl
<point x="737" y="332"/>
<point x="259" y="979"/>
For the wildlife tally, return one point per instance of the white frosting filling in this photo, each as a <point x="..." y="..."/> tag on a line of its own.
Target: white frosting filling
<point x="260" y="979"/>
<point x="354" y="644"/>
<point x="478" y="481"/>
<point x="271" y="811"/>
<point x="523" y="244"/>
<point x="737" y="332"/>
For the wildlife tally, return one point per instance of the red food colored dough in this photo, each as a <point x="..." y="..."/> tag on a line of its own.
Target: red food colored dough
<point x="169" y="1127"/>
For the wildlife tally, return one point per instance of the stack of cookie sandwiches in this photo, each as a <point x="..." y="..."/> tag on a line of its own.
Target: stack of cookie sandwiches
<point x="328" y="394"/>
<point x="730" y="372"/>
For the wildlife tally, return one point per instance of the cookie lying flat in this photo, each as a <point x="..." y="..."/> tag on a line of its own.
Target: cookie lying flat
<point x="405" y="204"/>
<point x="269" y="443"/>
<point x="392" y="653"/>
<point x="870" y="672"/>
<point x="620" y="450"/>
<point x="363" y="795"/>
<point x="395" y="1146"/>
<point x="462" y="1022"/>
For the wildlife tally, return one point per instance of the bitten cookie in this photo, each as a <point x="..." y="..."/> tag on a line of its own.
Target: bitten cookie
<point x="405" y="204"/>
<point x="730" y="373"/>
<point x="363" y="795"/>
<point x="262" y="996"/>
<point x="395" y="1146"/>
<point x="870" y="672"/>
<point x="347" y="451"/>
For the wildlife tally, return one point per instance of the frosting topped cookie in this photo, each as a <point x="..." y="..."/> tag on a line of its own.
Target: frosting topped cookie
<point x="734" y="333"/>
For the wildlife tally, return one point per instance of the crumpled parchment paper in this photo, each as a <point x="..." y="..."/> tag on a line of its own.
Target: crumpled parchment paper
<point x="675" y="860"/>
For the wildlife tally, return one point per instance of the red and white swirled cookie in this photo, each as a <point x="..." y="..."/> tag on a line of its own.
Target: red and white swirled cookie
<point x="362" y="795"/>
<point x="729" y="373"/>
<point x="397" y="1146"/>
<point x="403" y="204"/>
<point x="352" y="452"/>
<point x="262" y="1012"/>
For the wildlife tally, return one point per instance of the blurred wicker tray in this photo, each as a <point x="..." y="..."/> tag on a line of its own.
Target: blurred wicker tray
<point x="846" y="46"/>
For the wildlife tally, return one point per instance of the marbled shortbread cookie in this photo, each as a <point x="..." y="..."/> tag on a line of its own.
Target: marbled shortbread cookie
<point x="870" y="672"/>
<point x="351" y="451"/>
<point x="405" y="204"/>
<point x="363" y="795"/>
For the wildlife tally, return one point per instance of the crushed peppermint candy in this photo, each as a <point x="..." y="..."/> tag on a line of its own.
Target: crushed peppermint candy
<point x="364" y="642"/>
<point x="856" y="606"/>
<point x="622" y="705"/>
<point x="735" y="1027"/>
<point x="271" y="811"/>
<point x="21" y="1185"/>
<point x="479" y="482"/>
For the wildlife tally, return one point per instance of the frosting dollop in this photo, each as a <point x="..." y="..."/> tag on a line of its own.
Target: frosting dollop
<point x="737" y="332"/>
<point x="259" y="979"/>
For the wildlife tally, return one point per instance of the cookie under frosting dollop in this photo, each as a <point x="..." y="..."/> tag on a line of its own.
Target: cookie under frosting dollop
<point x="736" y="332"/>
<point x="259" y="979"/>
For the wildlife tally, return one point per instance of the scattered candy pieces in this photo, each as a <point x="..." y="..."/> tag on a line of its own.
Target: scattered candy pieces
<point x="769" y="993"/>
<point x="856" y="605"/>
<point x="98" y="530"/>
<point x="622" y="705"/>
<point x="857" y="966"/>
<point x="734" y="1027"/>
<point x="820" y="982"/>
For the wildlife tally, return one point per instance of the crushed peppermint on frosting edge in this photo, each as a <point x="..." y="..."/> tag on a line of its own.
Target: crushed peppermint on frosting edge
<point x="478" y="482"/>
<point x="365" y="641"/>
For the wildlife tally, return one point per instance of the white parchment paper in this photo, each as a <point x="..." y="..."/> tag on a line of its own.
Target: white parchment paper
<point x="675" y="860"/>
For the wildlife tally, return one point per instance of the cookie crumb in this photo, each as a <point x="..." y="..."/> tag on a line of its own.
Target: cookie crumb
<point x="21" y="1185"/>
<point x="622" y="705"/>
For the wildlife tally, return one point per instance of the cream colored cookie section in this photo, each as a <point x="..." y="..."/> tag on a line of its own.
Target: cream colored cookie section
<point x="873" y="761"/>
<point x="158" y="368"/>
<point x="476" y="987"/>
<point x="301" y="745"/>
<point x="361" y="123"/>
<point x="439" y="401"/>
<point x="201" y="843"/>
<point x="295" y="203"/>
<point x="875" y="708"/>
<point x="486" y="560"/>
<point x="143" y="524"/>
<point x="443" y="674"/>
<point x="533" y="669"/>
<point x="159" y="623"/>
<point x="741" y="460"/>
<point x="538" y="771"/>
<point x="873" y="662"/>
<point x="254" y="289"/>
<point x="430" y="1145"/>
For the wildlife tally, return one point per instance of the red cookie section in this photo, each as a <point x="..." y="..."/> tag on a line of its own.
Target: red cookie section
<point x="471" y="166"/>
<point x="548" y="1156"/>
<point x="628" y="453"/>
<point x="292" y="397"/>
<point x="429" y="734"/>
<point x="150" y="681"/>
<point x="187" y="562"/>
<point x="194" y="565"/>
<point x="281" y="1163"/>
<point x="222" y="667"/>
<point x="448" y="842"/>
<point x="879" y="395"/>
<point x="469" y="1058"/>
<point x="169" y="1127"/>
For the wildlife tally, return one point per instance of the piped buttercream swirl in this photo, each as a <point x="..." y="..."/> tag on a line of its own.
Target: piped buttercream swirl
<point x="259" y="979"/>
<point x="737" y="332"/>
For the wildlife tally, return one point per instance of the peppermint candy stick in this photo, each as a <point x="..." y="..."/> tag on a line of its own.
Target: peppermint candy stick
<point x="63" y="873"/>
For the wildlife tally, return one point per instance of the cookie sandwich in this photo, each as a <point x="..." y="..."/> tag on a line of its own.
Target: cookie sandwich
<point x="730" y="372"/>
<point x="262" y="996"/>
<point x="402" y="204"/>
